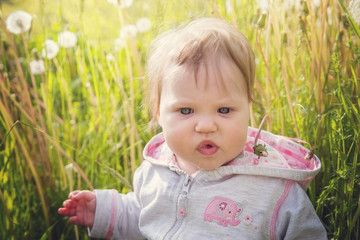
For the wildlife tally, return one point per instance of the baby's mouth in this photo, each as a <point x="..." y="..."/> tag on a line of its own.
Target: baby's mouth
<point x="207" y="148"/>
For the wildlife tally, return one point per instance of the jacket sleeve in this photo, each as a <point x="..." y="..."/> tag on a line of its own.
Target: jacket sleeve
<point x="116" y="215"/>
<point x="297" y="218"/>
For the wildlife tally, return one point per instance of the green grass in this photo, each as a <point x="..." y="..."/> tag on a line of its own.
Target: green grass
<point x="88" y="111"/>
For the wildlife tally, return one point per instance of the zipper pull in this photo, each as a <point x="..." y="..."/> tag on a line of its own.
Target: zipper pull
<point x="187" y="184"/>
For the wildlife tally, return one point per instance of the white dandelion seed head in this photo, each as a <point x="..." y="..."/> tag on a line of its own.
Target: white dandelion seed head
<point x="37" y="67"/>
<point x="69" y="167"/>
<point x="316" y="3"/>
<point x="354" y="9"/>
<point x="119" y="43"/>
<point x="18" y="22"/>
<point x="51" y="49"/>
<point x="121" y="3"/>
<point x="67" y="39"/>
<point x="128" y="31"/>
<point x="110" y="57"/>
<point x="263" y="5"/>
<point x="143" y="25"/>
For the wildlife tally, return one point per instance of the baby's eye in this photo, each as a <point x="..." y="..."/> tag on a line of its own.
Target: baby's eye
<point x="224" y="110"/>
<point x="186" y="111"/>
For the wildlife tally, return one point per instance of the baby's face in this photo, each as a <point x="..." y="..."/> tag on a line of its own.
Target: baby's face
<point x="204" y="123"/>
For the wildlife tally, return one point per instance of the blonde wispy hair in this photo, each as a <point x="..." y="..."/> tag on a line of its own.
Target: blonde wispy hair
<point x="198" y="43"/>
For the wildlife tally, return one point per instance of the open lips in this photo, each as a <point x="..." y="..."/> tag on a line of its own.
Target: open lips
<point x="207" y="148"/>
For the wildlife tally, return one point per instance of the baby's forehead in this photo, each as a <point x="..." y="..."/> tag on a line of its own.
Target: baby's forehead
<point x="220" y="72"/>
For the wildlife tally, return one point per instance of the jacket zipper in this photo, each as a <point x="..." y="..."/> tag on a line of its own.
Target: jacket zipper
<point x="180" y="207"/>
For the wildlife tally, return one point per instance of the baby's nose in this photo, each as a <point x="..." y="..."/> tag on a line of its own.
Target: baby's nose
<point x="206" y="124"/>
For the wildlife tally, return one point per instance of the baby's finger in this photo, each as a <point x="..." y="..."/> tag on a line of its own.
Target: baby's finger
<point x="69" y="203"/>
<point x="73" y="194"/>
<point x="68" y="211"/>
<point x="86" y="195"/>
<point x="65" y="211"/>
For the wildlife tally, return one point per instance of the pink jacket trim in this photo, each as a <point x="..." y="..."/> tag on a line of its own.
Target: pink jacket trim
<point x="113" y="214"/>
<point x="278" y="205"/>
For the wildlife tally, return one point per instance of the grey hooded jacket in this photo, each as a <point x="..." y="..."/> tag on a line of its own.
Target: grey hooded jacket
<point x="248" y="198"/>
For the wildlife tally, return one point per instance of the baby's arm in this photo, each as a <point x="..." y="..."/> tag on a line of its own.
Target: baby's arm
<point x="117" y="215"/>
<point x="80" y="208"/>
<point x="297" y="218"/>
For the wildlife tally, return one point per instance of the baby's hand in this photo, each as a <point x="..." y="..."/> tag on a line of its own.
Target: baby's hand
<point x="80" y="207"/>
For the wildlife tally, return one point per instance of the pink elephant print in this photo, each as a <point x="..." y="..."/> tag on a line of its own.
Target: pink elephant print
<point x="224" y="211"/>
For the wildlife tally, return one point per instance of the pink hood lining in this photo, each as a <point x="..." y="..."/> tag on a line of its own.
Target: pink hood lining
<point x="285" y="158"/>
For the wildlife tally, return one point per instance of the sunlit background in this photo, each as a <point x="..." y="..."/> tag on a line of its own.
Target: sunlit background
<point x="73" y="85"/>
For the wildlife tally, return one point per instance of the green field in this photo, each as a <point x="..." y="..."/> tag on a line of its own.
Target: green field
<point x="82" y="123"/>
